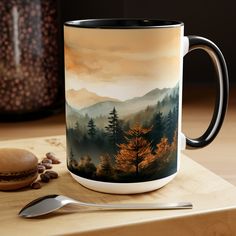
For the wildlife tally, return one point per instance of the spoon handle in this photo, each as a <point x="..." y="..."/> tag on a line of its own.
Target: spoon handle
<point x="140" y="206"/>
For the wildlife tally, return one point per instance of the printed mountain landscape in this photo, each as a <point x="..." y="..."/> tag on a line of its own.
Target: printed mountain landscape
<point x="122" y="141"/>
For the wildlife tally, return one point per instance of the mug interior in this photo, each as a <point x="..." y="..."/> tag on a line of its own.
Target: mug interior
<point x="124" y="23"/>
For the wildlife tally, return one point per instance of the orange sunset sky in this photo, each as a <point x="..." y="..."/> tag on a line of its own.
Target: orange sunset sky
<point x="122" y="63"/>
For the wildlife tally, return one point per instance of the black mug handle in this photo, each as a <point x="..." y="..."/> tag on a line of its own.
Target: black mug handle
<point x="217" y="58"/>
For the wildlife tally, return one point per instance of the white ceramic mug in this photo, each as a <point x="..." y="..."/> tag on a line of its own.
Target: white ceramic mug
<point x="124" y="99"/>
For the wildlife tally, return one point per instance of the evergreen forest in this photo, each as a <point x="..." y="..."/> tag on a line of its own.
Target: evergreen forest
<point x="133" y="148"/>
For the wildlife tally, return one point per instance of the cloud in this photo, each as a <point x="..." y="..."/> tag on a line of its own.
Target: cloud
<point x="109" y="62"/>
<point x="106" y="67"/>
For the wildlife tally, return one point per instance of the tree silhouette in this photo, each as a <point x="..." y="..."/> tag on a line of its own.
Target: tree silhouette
<point x="113" y="130"/>
<point x="170" y="125"/>
<point x="158" y="129"/>
<point x="105" y="170"/>
<point x="91" y="128"/>
<point x="159" y="106"/>
<point x="136" y="151"/>
<point x="77" y="131"/>
<point x="163" y="152"/>
<point x="174" y="142"/>
<point x="85" y="167"/>
<point x="175" y="117"/>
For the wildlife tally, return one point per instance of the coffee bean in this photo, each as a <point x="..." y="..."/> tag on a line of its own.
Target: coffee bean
<point x="51" y="156"/>
<point x="46" y="160"/>
<point x="47" y="165"/>
<point x="45" y="178"/>
<point x="41" y="168"/>
<point x="48" y="175"/>
<point x="56" y="161"/>
<point x="52" y="174"/>
<point x="36" y="185"/>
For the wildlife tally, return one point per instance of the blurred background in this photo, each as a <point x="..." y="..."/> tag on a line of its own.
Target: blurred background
<point x="29" y="91"/>
<point x="211" y="19"/>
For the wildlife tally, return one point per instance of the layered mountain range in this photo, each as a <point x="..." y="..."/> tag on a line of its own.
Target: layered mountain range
<point x="86" y="102"/>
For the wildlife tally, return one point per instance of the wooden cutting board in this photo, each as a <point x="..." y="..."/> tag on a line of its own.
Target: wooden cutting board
<point x="214" y="201"/>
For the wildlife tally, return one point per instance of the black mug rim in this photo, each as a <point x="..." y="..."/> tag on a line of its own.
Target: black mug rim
<point x="124" y="23"/>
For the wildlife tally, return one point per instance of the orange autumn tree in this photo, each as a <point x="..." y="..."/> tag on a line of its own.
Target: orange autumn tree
<point x="163" y="151"/>
<point x="174" y="143"/>
<point x="135" y="152"/>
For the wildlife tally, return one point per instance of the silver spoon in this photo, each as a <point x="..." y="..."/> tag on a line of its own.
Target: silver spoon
<point x="49" y="203"/>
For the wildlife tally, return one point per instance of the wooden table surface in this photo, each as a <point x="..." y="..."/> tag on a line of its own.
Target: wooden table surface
<point x="203" y="188"/>
<point x="213" y="199"/>
<point x="219" y="157"/>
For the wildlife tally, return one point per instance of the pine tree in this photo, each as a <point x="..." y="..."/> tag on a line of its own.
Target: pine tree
<point x="113" y="130"/>
<point x="91" y="128"/>
<point x="169" y="126"/>
<point x="174" y="142"/>
<point x="175" y="117"/>
<point x="158" y="129"/>
<point x="135" y="152"/>
<point x="76" y="131"/>
<point x="173" y="149"/>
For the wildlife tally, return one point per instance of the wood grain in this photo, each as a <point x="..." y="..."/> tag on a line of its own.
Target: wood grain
<point x="213" y="198"/>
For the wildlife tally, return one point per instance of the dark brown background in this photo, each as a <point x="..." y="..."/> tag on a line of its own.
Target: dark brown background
<point x="211" y="19"/>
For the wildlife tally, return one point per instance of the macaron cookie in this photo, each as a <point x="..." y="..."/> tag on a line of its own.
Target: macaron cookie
<point x="18" y="168"/>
